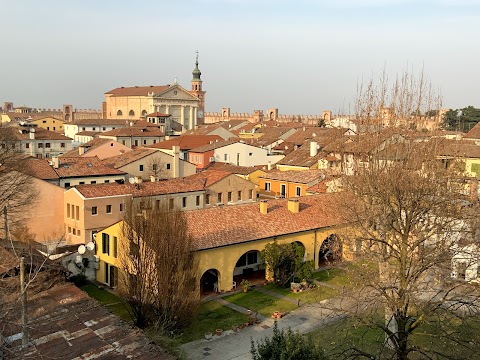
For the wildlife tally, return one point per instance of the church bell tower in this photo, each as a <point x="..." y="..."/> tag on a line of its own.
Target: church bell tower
<point x="198" y="92"/>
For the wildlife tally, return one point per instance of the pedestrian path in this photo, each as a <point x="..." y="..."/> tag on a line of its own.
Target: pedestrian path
<point x="240" y="309"/>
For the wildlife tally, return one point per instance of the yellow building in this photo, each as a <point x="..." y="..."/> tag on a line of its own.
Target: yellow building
<point x="228" y="240"/>
<point x="49" y="123"/>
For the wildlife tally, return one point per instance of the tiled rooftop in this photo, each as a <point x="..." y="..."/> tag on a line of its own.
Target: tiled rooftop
<point x="80" y="167"/>
<point x="186" y="142"/>
<point x="210" y="177"/>
<point x="300" y="177"/>
<point x="137" y="90"/>
<point x="233" y="169"/>
<point x="128" y="157"/>
<point x="92" y="144"/>
<point x="23" y="133"/>
<point x="99" y="122"/>
<point x="134" y="131"/>
<point x="228" y="225"/>
<point x="146" y="188"/>
<point x="474" y="132"/>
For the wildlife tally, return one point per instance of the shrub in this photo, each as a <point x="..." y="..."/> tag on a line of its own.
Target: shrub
<point x="286" y="345"/>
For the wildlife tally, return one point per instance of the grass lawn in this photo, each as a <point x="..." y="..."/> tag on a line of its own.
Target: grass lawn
<point x="350" y="333"/>
<point x="309" y="296"/>
<point x="259" y="302"/>
<point x="335" y="276"/>
<point x="211" y="316"/>
<point x="111" y="301"/>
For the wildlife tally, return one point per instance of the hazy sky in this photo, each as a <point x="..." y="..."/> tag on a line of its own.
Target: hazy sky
<point x="301" y="56"/>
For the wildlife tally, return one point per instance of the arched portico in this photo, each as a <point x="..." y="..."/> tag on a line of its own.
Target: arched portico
<point x="331" y="250"/>
<point x="248" y="267"/>
<point x="209" y="281"/>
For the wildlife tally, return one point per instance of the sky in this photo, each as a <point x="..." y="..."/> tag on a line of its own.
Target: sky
<point x="300" y="56"/>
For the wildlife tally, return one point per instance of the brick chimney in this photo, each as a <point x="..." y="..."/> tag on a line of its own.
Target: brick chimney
<point x="81" y="150"/>
<point x="313" y="148"/>
<point x="264" y="206"/>
<point x="293" y="205"/>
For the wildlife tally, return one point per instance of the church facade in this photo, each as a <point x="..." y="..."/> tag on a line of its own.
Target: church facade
<point x="184" y="106"/>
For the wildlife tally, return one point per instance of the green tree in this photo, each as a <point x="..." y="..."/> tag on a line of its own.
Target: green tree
<point x="461" y="119"/>
<point x="286" y="345"/>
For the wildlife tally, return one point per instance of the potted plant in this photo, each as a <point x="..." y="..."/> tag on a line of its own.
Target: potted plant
<point x="234" y="328"/>
<point x="245" y="284"/>
<point x="208" y="335"/>
<point x="219" y="332"/>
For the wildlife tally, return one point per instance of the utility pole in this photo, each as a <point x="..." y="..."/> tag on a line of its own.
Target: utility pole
<point x="23" y="291"/>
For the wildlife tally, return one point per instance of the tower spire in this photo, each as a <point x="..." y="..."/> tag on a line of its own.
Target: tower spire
<point x="196" y="72"/>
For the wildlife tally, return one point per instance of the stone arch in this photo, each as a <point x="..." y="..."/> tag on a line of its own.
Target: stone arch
<point x="131" y="113"/>
<point x="119" y="113"/>
<point x="67" y="117"/>
<point x="299" y="243"/>
<point x="67" y="109"/>
<point x="331" y="250"/>
<point x="144" y="112"/>
<point x="248" y="267"/>
<point x="209" y="281"/>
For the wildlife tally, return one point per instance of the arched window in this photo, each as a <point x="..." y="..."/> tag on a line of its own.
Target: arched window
<point x="67" y="117"/>
<point x="131" y="113"/>
<point x="67" y="109"/>
<point x="119" y="113"/>
<point x="144" y="113"/>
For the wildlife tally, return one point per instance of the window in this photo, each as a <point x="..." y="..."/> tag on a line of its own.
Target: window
<point x="62" y="145"/>
<point x="69" y="230"/>
<point x="121" y="207"/>
<point x="283" y="189"/>
<point x="184" y="201"/>
<point x="250" y="154"/>
<point x="115" y="246"/>
<point x="94" y="210"/>
<point x="119" y="113"/>
<point x="219" y="198"/>
<point x="225" y="157"/>
<point x="74" y="231"/>
<point x="197" y="200"/>
<point x="267" y="186"/>
<point x="171" y="203"/>
<point x="44" y="121"/>
<point x="105" y="244"/>
<point x="40" y="146"/>
<point x="141" y="167"/>
<point x="298" y="190"/>
<point x="77" y="215"/>
<point x="54" y="128"/>
<point x="67" y="185"/>
<point x="207" y="199"/>
<point x="144" y="142"/>
<point x="168" y="166"/>
<point x="78" y="232"/>
<point x="47" y="145"/>
<point x="131" y="113"/>
<point x="108" y="209"/>
<point x="48" y="127"/>
<point x="81" y="183"/>
<point x="104" y="128"/>
<point x="93" y="182"/>
<point x="68" y="211"/>
<point x="83" y="129"/>
<point x="242" y="261"/>
<point x="124" y="142"/>
<point x="107" y="277"/>
<point x="239" y="195"/>
<point x="229" y="196"/>
<point x="136" y="142"/>
<point x="93" y="129"/>
<point x="250" y="194"/>
<point x="27" y="146"/>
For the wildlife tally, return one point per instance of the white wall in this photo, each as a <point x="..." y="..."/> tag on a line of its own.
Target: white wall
<point x="245" y="155"/>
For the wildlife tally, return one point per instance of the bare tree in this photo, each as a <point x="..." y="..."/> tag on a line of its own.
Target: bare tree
<point x="156" y="168"/>
<point x="17" y="191"/>
<point x="158" y="267"/>
<point x="411" y="220"/>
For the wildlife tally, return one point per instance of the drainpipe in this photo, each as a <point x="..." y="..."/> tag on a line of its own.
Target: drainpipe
<point x="315" y="263"/>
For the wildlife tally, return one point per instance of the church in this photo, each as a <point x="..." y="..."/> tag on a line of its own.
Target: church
<point x="183" y="106"/>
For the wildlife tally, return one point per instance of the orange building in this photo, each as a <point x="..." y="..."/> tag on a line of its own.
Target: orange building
<point x="287" y="184"/>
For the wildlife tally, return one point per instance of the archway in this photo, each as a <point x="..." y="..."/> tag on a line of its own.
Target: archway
<point x="67" y="117"/>
<point x="144" y="113"/>
<point x="300" y="244"/>
<point x="131" y="113"/>
<point x="330" y="251"/>
<point x="119" y="113"/>
<point x="248" y="267"/>
<point x="209" y="282"/>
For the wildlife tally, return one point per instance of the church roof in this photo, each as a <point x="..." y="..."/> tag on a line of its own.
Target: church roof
<point x="137" y="90"/>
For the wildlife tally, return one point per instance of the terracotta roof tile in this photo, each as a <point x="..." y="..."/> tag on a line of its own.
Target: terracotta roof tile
<point x="39" y="168"/>
<point x="146" y="188"/>
<point x="92" y="144"/>
<point x="137" y="90"/>
<point x="99" y="122"/>
<point x="217" y="145"/>
<point x="23" y="133"/>
<point x="128" y="157"/>
<point x="186" y="142"/>
<point x="80" y="167"/>
<point x="222" y="226"/>
<point x="210" y="177"/>
<point x="300" y="177"/>
<point x="158" y="114"/>
<point x="134" y="131"/>
<point x="233" y="169"/>
<point x="474" y="132"/>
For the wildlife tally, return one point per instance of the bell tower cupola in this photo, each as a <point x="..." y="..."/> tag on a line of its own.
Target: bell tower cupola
<point x="198" y="91"/>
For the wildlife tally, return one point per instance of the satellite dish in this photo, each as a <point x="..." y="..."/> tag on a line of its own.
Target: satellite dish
<point x="81" y="249"/>
<point x="90" y="246"/>
<point x="131" y="180"/>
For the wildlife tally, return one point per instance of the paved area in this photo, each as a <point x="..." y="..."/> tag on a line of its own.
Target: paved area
<point x="236" y="346"/>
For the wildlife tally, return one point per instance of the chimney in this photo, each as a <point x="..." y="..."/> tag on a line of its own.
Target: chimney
<point x="138" y="180"/>
<point x="32" y="134"/>
<point x="152" y="178"/>
<point x="313" y="148"/>
<point x="55" y="162"/>
<point x="264" y="206"/>
<point x="81" y="150"/>
<point x="293" y="205"/>
<point x="176" y="161"/>
<point x="269" y="165"/>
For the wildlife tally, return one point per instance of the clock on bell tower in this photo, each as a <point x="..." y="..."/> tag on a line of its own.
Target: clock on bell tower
<point x="198" y="92"/>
